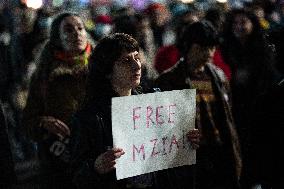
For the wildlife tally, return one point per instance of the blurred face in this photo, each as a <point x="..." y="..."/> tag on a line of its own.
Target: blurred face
<point x="73" y="35"/>
<point x="198" y="56"/>
<point x="127" y="70"/>
<point x="143" y="27"/>
<point x="159" y="17"/>
<point x="242" y="26"/>
<point x="259" y="12"/>
<point x="190" y="18"/>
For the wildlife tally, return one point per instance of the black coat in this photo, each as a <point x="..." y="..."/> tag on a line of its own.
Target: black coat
<point x="264" y="159"/>
<point x="177" y="78"/>
<point x="7" y="176"/>
<point x="94" y="136"/>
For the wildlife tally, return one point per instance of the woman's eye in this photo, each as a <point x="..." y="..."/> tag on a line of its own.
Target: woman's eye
<point x="126" y="60"/>
<point x="137" y="58"/>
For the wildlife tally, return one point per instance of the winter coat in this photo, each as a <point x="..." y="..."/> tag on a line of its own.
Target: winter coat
<point x="8" y="176"/>
<point x="57" y="89"/>
<point x="264" y="159"/>
<point x="177" y="78"/>
<point x="93" y="137"/>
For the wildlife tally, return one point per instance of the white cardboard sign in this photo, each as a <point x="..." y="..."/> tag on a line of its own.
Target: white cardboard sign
<point x="151" y="129"/>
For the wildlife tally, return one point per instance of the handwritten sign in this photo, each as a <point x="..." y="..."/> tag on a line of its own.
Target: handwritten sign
<point x="151" y="129"/>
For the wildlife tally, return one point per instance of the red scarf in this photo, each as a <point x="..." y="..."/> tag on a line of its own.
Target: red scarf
<point x="78" y="59"/>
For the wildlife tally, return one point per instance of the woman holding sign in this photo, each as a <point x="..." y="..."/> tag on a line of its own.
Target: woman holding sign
<point x="116" y="72"/>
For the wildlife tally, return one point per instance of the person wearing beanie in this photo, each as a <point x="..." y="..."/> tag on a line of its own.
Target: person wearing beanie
<point x="103" y="27"/>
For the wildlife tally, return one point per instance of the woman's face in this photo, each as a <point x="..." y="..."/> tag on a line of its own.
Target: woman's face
<point x="127" y="70"/>
<point x="73" y="35"/>
<point x="242" y="26"/>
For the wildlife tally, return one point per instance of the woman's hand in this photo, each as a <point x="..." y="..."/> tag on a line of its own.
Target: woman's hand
<point x="55" y="126"/>
<point x="106" y="161"/>
<point x="194" y="137"/>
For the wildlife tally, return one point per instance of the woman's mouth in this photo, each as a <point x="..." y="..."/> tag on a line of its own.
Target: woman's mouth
<point x="137" y="76"/>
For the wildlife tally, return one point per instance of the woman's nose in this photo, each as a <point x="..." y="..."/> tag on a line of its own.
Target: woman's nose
<point x="136" y="64"/>
<point x="76" y="32"/>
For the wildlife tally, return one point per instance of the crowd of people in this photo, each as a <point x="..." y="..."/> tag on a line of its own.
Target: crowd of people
<point x="59" y="71"/>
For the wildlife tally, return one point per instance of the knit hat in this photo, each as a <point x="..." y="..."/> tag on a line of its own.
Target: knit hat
<point x="103" y="19"/>
<point x="155" y="6"/>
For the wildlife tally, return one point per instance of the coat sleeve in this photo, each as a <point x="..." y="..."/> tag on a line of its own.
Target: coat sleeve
<point x="35" y="104"/>
<point x="83" y="153"/>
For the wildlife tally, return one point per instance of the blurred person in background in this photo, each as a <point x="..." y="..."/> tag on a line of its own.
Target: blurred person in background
<point x="280" y="6"/>
<point x="8" y="176"/>
<point x="103" y="26"/>
<point x="265" y="163"/>
<point x="23" y="21"/>
<point x="31" y="44"/>
<point x="260" y="14"/>
<point x="18" y="149"/>
<point x="159" y="17"/>
<point x="6" y="72"/>
<point x="218" y="161"/>
<point x="57" y="91"/>
<point x="168" y="55"/>
<point x="277" y="38"/>
<point x="216" y="16"/>
<point x="7" y="168"/>
<point x="251" y="59"/>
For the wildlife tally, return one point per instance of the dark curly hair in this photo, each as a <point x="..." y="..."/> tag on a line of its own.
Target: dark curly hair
<point x="201" y="33"/>
<point x="107" y="51"/>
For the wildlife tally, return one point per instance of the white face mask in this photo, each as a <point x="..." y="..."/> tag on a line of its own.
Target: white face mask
<point x="5" y="38"/>
<point x="45" y="22"/>
<point x="103" y="30"/>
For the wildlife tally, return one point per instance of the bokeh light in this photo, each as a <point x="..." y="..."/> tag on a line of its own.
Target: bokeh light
<point x="35" y="4"/>
<point x="187" y="1"/>
<point x="57" y="3"/>
<point x="222" y="1"/>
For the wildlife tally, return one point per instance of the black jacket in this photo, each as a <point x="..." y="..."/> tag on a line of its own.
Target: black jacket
<point x="93" y="126"/>
<point x="264" y="159"/>
<point x="7" y="176"/>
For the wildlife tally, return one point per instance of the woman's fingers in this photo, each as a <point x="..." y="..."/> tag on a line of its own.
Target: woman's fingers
<point x="195" y="146"/>
<point x="118" y="152"/>
<point x="194" y="137"/>
<point x="106" y="161"/>
<point x="195" y="140"/>
<point x="63" y="127"/>
<point x="55" y="126"/>
<point x="114" y="154"/>
<point x="193" y="133"/>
